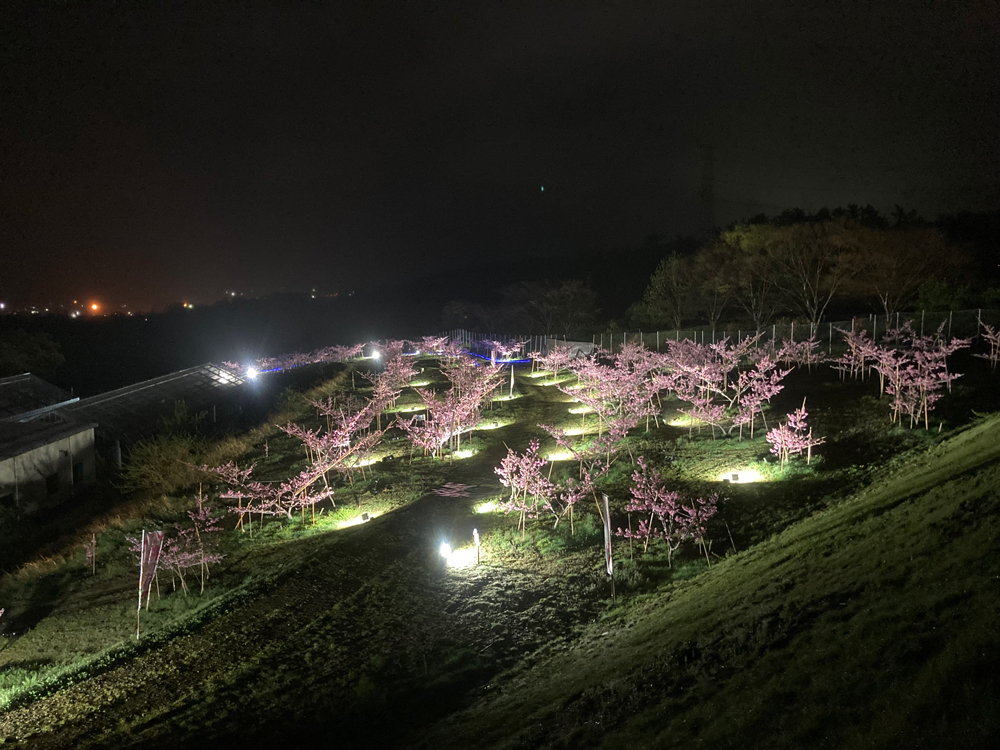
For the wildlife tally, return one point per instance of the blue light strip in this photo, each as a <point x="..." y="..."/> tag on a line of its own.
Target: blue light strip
<point x="502" y="361"/>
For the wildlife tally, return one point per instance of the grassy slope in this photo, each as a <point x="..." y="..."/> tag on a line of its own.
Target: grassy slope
<point x="875" y="623"/>
<point x="329" y="631"/>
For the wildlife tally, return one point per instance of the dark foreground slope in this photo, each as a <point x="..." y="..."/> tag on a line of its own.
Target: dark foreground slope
<point x="873" y="624"/>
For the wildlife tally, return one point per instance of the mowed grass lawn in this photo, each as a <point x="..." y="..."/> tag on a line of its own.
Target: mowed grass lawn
<point x="875" y="623"/>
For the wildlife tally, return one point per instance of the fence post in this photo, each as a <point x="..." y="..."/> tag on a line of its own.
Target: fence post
<point x="829" y="348"/>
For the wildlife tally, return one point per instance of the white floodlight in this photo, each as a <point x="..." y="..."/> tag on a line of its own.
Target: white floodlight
<point x="445" y="550"/>
<point x="252" y="372"/>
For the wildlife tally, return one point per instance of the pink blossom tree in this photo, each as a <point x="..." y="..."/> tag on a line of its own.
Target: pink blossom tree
<point x="694" y="518"/>
<point x="992" y="337"/>
<point x="726" y="385"/>
<point x="90" y="553"/>
<point x="270" y="498"/>
<point x="619" y="392"/>
<point x="530" y="489"/>
<point x="433" y="344"/>
<point x="793" y="437"/>
<point x="663" y="515"/>
<point x="456" y="410"/>
<point x="651" y="498"/>
<point x="555" y="361"/>
<point x="504" y="350"/>
<point x="914" y="370"/>
<point x="857" y="361"/>
<point x="805" y="353"/>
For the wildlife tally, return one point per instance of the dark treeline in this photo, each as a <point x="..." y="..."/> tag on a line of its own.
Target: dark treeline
<point x="686" y="281"/>
<point x="796" y="265"/>
<point x="803" y="266"/>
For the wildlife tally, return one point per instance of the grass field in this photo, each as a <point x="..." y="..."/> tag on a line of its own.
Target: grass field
<point x="851" y="603"/>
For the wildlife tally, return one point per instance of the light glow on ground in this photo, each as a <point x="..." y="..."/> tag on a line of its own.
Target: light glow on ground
<point x="557" y="382"/>
<point x="488" y="507"/>
<point x="684" y="420"/>
<point x="464" y="454"/>
<point x="741" y="476"/>
<point x="580" y="430"/>
<point x="363" y="462"/>
<point x="580" y="409"/>
<point x="507" y="397"/>
<point x="418" y="383"/>
<point x="560" y="456"/>
<point x="356" y="521"/>
<point x="462" y="558"/>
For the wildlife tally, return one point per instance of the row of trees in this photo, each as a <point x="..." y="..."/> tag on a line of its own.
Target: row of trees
<point x="755" y="271"/>
<point x="552" y="308"/>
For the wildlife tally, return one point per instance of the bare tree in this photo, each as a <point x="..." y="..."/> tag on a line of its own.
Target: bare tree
<point x="715" y="274"/>
<point x="813" y="261"/>
<point x="670" y="290"/>
<point x="756" y="292"/>
<point x="894" y="263"/>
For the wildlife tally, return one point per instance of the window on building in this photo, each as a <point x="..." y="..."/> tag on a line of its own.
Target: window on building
<point x="78" y="472"/>
<point x="52" y="484"/>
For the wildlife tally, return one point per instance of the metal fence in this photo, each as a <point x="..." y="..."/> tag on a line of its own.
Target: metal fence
<point x="953" y="324"/>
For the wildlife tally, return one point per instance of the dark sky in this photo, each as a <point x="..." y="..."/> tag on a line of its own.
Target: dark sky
<point x="152" y="152"/>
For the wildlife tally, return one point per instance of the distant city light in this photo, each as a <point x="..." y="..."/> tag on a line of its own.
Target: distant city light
<point x="95" y="307"/>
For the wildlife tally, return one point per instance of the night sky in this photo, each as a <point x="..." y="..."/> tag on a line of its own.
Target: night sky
<point x="155" y="152"/>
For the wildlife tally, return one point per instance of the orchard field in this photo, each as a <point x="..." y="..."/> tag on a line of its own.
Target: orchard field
<point x="411" y="553"/>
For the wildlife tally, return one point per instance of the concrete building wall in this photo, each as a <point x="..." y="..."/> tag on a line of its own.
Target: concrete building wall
<point x="48" y="474"/>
